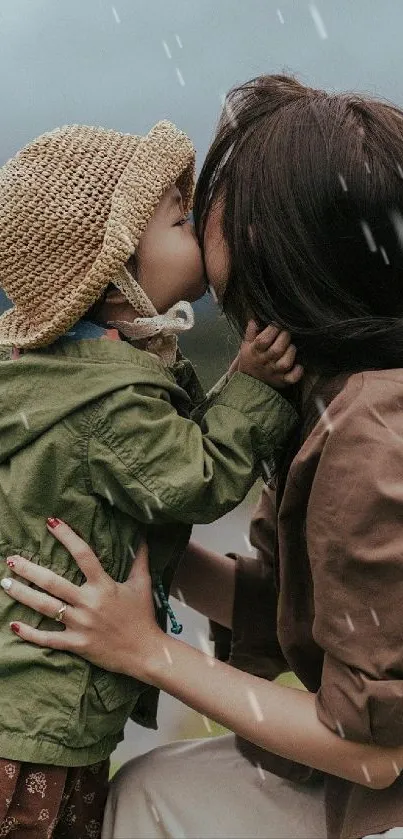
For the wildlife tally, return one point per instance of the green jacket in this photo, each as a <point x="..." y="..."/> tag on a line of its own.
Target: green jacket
<point x="98" y="433"/>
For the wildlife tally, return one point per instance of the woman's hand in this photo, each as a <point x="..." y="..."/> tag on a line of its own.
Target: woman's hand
<point x="111" y="624"/>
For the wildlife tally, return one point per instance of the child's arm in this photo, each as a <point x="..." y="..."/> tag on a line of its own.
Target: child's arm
<point x="159" y="466"/>
<point x="268" y="355"/>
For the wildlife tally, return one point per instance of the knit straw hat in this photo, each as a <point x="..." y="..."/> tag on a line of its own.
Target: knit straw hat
<point x="73" y="205"/>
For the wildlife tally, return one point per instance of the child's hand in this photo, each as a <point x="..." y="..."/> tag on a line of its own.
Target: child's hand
<point x="269" y="356"/>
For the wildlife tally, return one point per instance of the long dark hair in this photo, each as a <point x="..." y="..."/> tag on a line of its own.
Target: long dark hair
<point x="312" y="191"/>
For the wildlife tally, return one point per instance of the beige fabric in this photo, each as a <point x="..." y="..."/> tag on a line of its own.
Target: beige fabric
<point x="160" y="331"/>
<point x="73" y="205"/>
<point x="205" y="789"/>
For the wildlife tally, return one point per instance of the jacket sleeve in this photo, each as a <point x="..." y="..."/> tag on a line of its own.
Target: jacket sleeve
<point x="158" y="466"/>
<point x="252" y="644"/>
<point x="210" y="398"/>
<point x="355" y="546"/>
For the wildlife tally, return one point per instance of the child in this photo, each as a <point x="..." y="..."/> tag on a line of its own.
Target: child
<point x="93" y="233"/>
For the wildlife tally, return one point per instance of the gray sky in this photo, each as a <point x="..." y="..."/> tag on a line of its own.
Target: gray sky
<point x="98" y="62"/>
<point x="130" y="63"/>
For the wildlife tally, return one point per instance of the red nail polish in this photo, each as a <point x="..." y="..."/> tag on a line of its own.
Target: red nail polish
<point x="10" y="563"/>
<point x="15" y="627"/>
<point x="52" y="522"/>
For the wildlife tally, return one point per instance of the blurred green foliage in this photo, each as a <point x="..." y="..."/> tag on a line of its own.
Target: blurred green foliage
<point x="211" y="345"/>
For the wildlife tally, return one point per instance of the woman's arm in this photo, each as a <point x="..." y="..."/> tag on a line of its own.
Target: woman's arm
<point x="280" y="719"/>
<point x="206" y="581"/>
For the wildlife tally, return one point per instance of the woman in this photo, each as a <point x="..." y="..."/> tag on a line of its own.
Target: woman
<point x="299" y="209"/>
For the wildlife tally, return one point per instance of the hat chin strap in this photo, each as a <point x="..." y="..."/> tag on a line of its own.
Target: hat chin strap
<point x="159" y="330"/>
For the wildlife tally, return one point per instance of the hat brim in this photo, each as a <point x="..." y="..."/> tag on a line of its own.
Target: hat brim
<point x="165" y="156"/>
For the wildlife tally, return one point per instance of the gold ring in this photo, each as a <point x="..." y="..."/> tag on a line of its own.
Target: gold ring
<point x="60" y="613"/>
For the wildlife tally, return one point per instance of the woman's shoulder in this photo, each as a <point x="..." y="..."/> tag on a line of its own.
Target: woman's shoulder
<point x="367" y="393"/>
<point x="356" y="442"/>
<point x="361" y="407"/>
<point x="364" y="420"/>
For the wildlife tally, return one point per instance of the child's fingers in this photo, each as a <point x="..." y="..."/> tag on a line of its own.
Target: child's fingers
<point x="280" y="345"/>
<point x="80" y="551"/>
<point x="266" y="338"/>
<point x="287" y="360"/>
<point x="294" y="375"/>
<point x="251" y="332"/>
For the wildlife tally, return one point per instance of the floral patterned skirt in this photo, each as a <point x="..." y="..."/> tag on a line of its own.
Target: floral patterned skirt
<point x="52" y="802"/>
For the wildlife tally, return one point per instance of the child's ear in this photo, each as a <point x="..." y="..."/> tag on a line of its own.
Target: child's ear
<point x="114" y="295"/>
